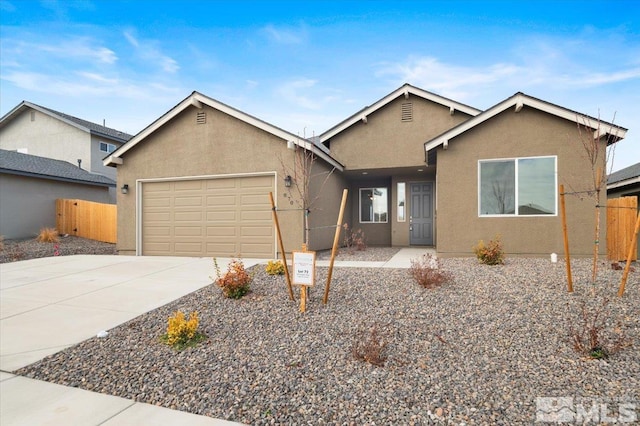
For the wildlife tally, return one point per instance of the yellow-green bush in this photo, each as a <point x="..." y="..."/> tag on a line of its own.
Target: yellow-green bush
<point x="275" y="267"/>
<point x="181" y="331"/>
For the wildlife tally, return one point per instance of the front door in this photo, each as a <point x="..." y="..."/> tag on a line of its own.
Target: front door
<point x="421" y="218"/>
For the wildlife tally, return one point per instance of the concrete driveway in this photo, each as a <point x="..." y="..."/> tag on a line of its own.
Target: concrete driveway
<point x="49" y="304"/>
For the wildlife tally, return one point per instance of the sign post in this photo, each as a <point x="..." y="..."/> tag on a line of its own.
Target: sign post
<point x="304" y="273"/>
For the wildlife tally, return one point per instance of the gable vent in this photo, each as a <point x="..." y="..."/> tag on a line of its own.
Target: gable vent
<point x="201" y="117"/>
<point x="407" y="111"/>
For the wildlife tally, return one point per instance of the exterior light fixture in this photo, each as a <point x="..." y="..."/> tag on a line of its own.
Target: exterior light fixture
<point x="287" y="181"/>
<point x="125" y="189"/>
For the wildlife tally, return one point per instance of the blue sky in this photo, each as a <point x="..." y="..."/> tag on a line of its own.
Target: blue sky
<point x="307" y="65"/>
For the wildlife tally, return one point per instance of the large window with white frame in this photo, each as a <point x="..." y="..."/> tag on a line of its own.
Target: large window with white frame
<point x="518" y="187"/>
<point x="373" y="205"/>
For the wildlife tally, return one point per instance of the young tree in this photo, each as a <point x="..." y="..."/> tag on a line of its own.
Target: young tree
<point x="301" y="173"/>
<point x="598" y="141"/>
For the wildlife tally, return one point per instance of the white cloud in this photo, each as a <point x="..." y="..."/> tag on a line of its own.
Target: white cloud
<point x="149" y="51"/>
<point x="285" y="35"/>
<point x="82" y="84"/>
<point x="296" y="93"/>
<point x="79" y="48"/>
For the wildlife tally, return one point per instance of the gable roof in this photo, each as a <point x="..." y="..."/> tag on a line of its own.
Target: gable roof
<point x="197" y="99"/>
<point x="16" y="163"/>
<point x="84" y="125"/>
<point x="403" y="90"/>
<point x="623" y="177"/>
<point x="519" y="100"/>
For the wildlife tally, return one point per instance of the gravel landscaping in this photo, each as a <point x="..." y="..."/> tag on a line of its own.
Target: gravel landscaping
<point x="477" y="350"/>
<point x="24" y="249"/>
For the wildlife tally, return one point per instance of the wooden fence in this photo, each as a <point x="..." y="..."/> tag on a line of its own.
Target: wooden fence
<point x="87" y="219"/>
<point x="621" y="221"/>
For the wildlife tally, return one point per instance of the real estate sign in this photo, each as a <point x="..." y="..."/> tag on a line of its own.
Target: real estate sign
<point x="304" y="267"/>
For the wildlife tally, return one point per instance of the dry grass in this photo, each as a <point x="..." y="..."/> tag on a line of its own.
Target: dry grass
<point x="48" y="235"/>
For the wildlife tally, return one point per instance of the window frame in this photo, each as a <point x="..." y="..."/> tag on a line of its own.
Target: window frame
<point x="108" y="145"/>
<point x="372" y="189"/>
<point x="516" y="160"/>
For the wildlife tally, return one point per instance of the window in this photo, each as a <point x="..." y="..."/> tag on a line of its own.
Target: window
<point x="107" y="147"/>
<point x="373" y="205"/>
<point x="401" y="202"/>
<point x="517" y="187"/>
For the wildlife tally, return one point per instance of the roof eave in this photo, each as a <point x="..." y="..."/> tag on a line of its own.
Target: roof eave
<point x="404" y="90"/>
<point x="196" y="99"/>
<point x="519" y="100"/>
<point x="56" y="178"/>
<point x="624" y="182"/>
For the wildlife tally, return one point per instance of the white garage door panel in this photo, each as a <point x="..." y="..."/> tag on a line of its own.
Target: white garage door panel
<point x="208" y="217"/>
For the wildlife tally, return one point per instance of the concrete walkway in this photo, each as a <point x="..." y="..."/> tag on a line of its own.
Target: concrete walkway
<point x="49" y="304"/>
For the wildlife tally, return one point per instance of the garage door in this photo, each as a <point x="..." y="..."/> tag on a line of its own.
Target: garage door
<point x="208" y="217"/>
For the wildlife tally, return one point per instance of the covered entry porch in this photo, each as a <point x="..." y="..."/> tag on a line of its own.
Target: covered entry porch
<point x="393" y="207"/>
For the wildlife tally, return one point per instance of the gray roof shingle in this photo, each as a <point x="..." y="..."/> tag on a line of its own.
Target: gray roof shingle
<point x="12" y="162"/>
<point x="624" y="174"/>
<point x="93" y="127"/>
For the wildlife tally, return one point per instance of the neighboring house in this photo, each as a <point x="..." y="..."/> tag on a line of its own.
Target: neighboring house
<point x="625" y="183"/>
<point x="32" y="129"/>
<point x="30" y="185"/>
<point x="421" y="169"/>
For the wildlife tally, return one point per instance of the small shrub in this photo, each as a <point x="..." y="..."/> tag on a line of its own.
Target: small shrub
<point x="236" y="281"/>
<point x="370" y="348"/>
<point x="354" y="239"/>
<point x="275" y="267"/>
<point x="426" y="271"/>
<point x="48" y="235"/>
<point x="490" y="254"/>
<point x="182" y="332"/>
<point x="1" y="242"/>
<point x="590" y="335"/>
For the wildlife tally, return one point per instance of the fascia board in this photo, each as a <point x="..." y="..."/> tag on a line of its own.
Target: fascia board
<point x="392" y="96"/>
<point x="625" y="182"/>
<point x="196" y="99"/>
<point x="522" y="99"/>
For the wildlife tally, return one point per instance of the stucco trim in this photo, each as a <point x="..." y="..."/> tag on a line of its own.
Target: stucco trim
<point x="405" y="90"/>
<point x="196" y="99"/>
<point x="519" y="100"/>
<point x="140" y="182"/>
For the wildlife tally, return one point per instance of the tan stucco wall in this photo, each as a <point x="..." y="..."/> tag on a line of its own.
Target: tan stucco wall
<point x="224" y="145"/>
<point x="386" y="141"/>
<point x="507" y="135"/>
<point x="46" y="137"/>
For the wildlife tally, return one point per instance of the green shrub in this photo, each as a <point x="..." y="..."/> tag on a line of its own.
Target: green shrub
<point x="491" y="253"/>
